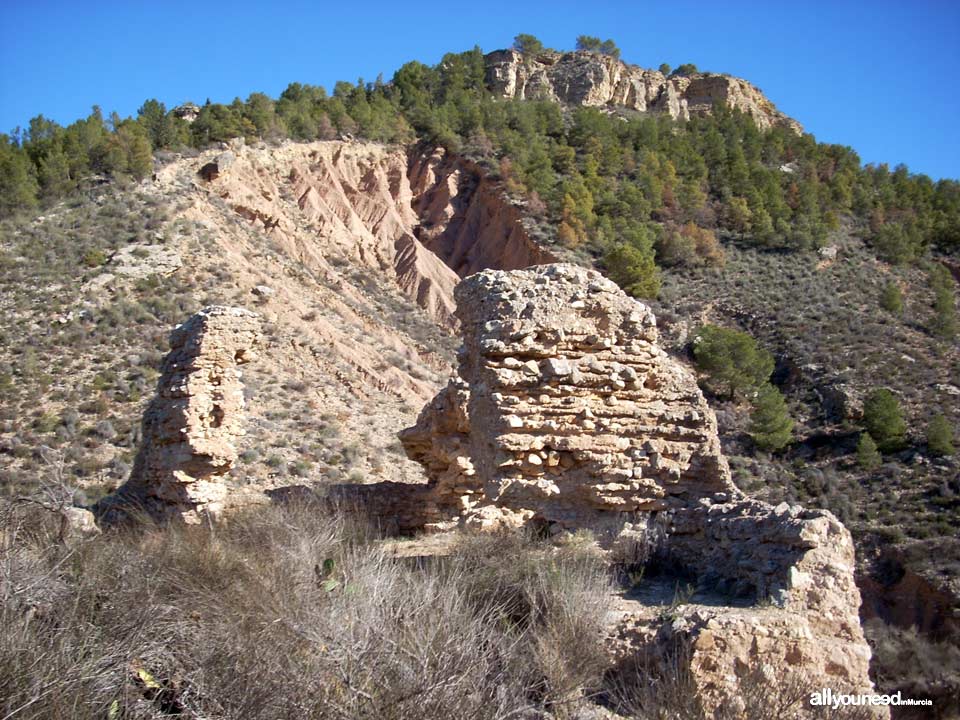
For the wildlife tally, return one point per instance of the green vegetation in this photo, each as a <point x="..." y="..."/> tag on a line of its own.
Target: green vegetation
<point x="686" y="69"/>
<point x="527" y="44"/>
<point x="326" y="625"/>
<point x="940" y="434"/>
<point x="770" y="424"/>
<point x="868" y="457"/>
<point x="631" y="265"/>
<point x="891" y="298"/>
<point x="884" y="420"/>
<point x="592" y="180"/>
<point x="594" y="44"/>
<point x="733" y="361"/>
<point x="943" y="324"/>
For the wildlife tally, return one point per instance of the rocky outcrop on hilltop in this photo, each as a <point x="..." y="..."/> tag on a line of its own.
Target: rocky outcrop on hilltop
<point x="591" y="79"/>
<point x="566" y="415"/>
<point x="192" y="427"/>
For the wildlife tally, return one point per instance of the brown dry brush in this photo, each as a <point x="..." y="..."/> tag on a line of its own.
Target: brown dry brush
<point x="289" y="612"/>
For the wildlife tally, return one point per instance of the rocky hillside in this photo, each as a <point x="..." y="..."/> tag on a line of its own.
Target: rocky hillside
<point x="593" y="80"/>
<point x="565" y="418"/>
<point x="320" y="239"/>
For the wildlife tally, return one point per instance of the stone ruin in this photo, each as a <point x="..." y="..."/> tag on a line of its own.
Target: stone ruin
<point x="566" y="415"/>
<point x="192" y="426"/>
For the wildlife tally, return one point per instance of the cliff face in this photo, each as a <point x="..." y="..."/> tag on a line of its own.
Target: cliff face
<point x="594" y="80"/>
<point x="426" y="219"/>
<point x="464" y="219"/>
<point x="566" y="415"/>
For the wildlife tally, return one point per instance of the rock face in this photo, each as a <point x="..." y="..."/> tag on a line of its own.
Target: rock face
<point x="464" y="219"/>
<point x="567" y="415"/>
<point x="424" y="219"/>
<point x="591" y="79"/>
<point x="191" y="428"/>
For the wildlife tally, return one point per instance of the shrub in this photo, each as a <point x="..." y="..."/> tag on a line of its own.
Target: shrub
<point x="891" y="299"/>
<point x="94" y="258"/>
<point x="884" y="420"/>
<point x="686" y="69"/>
<point x="940" y="435"/>
<point x="868" y="457"/>
<point x="290" y="612"/>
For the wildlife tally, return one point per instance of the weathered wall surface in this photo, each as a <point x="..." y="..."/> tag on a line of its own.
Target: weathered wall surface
<point x="566" y="415"/>
<point x="192" y="427"/>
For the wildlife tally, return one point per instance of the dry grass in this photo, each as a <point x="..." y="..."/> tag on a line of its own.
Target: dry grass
<point x="289" y="613"/>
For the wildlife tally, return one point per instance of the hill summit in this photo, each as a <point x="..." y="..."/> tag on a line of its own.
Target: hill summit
<point x="593" y="79"/>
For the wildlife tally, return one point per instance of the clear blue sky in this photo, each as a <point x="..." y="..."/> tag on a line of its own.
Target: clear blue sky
<point x="878" y="75"/>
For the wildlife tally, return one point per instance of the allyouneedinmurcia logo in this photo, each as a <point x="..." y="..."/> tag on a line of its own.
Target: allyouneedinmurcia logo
<point x="828" y="698"/>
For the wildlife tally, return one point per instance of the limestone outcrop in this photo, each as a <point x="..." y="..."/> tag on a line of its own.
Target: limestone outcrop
<point x="191" y="428"/>
<point x="566" y="415"/>
<point x="591" y="79"/>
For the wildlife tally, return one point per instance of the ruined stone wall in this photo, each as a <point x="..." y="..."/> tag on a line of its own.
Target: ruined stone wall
<point x="566" y="415"/>
<point x="567" y="411"/>
<point x="192" y="426"/>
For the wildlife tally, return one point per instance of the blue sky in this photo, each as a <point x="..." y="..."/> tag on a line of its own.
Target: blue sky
<point x="879" y="76"/>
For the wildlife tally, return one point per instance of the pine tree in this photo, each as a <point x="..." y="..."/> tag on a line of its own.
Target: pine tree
<point x="771" y="426"/>
<point x="944" y="321"/>
<point x="527" y="44"/>
<point x="633" y="268"/>
<point x="588" y="42"/>
<point x="731" y="359"/>
<point x="891" y="299"/>
<point x="868" y="457"/>
<point x="159" y="125"/>
<point x="940" y="436"/>
<point x="884" y="420"/>
<point x="54" y="172"/>
<point x="18" y="185"/>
